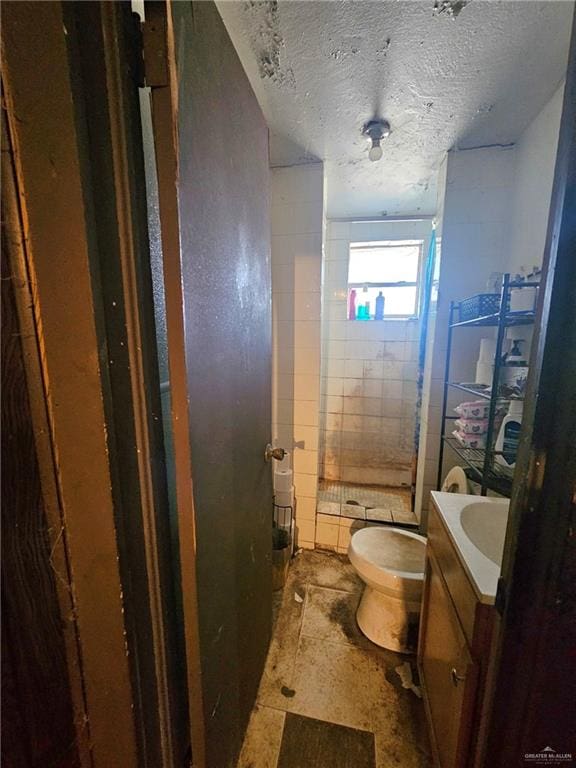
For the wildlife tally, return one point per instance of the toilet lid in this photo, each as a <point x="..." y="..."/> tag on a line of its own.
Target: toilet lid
<point x="390" y="560"/>
<point x="391" y="549"/>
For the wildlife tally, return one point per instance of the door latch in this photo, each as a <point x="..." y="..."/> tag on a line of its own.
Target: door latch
<point x="274" y="453"/>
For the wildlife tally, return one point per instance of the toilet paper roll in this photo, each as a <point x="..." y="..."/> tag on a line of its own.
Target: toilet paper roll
<point x="484" y="373"/>
<point x="285" y="463"/>
<point x="283" y="480"/>
<point x="487" y="351"/>
<point x="456" y="482"/>
<point x="284" y="498"/>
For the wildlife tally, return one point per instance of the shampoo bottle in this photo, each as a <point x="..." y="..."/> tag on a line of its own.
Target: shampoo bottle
<point x="352" y="305"/>
<point x="509" y="435"/>
<point x="379" y="315"/>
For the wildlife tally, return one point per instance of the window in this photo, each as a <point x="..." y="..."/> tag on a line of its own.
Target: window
<point x="390" y="268"/>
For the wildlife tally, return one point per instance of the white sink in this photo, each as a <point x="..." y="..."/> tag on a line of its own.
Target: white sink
<point x="485" y="525"/>
<point x="477" y="527"/>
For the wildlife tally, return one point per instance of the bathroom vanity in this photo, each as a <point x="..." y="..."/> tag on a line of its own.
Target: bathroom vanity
<point x="464" y="554"/>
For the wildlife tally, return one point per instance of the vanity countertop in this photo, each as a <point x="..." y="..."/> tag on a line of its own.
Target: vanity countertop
<point x="481" y="569"/>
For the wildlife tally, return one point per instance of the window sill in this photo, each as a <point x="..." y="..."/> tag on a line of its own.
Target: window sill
<point x="385" y="320"/>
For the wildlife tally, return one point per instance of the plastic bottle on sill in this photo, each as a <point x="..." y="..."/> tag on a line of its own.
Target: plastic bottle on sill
<point x="352" y="305"/>
<point x="379" y="314"/>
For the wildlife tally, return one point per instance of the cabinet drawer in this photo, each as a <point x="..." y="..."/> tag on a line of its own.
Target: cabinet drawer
<point x="461" y="591"/>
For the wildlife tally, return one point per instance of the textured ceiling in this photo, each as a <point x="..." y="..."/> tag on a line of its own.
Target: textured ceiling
<point x="473" y="74"/>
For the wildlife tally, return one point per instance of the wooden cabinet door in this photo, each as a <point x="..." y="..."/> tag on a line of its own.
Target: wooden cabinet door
<point x="448" y="671"/>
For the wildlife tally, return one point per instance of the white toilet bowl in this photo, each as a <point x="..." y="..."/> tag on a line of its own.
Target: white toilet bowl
<point x="390" y="561"/>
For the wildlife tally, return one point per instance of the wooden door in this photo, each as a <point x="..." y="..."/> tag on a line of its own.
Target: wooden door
<point x="449" y="673"/>
<point x="216" y="244"/>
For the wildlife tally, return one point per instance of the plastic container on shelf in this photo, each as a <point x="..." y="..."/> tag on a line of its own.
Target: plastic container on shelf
<point x="509" y="435"/>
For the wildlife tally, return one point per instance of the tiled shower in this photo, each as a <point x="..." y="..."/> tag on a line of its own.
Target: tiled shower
<point x="368" y="393"/>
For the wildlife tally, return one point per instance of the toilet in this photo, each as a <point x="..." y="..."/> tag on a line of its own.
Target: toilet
<point x="390" y="561"/>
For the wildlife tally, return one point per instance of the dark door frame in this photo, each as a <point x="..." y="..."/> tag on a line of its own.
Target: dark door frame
<point x="535" y="671"/>
<point x="161" y="78"/>
<point x="80" y="179"/>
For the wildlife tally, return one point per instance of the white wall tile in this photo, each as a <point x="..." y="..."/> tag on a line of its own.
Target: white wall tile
<point x="332" y="404"/>
<point x="336" y="330"/>
<point x="305" y="532"/>
<point x="334" y="422"/>
<point x="307" y="334"/>
<point x="306" y="437"/>
<point x="307" y="275"/>
<point x="355" y="387"/>
<point x="282" y="335"/>
<point x="284" y="387"/>
<point x="306" y="306"/>
<point x="327" y="534"/>
<point x="306" y="485"/>
<point x="336" y="350"/>
<point x="305" y="462"/>
<point x="283" y="307"/>
<point x="282" y="278"/>
<point x="306" y="412"/>
<point x="373" y="369"/>
<point x="305" y="508"/>
<point x="306" y="387"/>
<point x="284" y="411"/>
<point x="334" y="387"/>
<point x="334" y="368"/>
<point x="306" y="361"/>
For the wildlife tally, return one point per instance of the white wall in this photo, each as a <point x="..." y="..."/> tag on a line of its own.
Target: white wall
<point x="533" y="177"/>
<point x="474" y="239"/>
<point x="297" y="231"/>
<point x="493" y="216"/>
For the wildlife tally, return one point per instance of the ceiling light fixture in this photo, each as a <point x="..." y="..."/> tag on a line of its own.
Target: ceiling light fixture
<point x="376" y="130"/>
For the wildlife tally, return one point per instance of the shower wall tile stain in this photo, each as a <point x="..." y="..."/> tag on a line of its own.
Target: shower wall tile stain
<point x="369" y="373"/>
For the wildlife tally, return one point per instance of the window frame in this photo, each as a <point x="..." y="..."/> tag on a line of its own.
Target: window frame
<point x="365" y="244"/>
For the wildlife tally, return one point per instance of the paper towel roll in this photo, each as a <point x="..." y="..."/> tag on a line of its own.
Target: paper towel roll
<point x="284" y="498"/>
<point x="484" y="373"/>
<point x="487" y="350"/>
<point x="456" y="482"/>
<point x="283" y="480"/>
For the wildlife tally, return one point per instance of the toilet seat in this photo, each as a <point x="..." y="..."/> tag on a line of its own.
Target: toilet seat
<point x="390" y="560"/>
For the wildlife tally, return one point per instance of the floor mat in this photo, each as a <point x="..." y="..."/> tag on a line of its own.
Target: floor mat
<point x="309" y="743"/>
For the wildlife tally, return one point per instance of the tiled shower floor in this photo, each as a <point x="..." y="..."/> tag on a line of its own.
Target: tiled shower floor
<point x="329" y="698"/>
<point x="366" y="502"/>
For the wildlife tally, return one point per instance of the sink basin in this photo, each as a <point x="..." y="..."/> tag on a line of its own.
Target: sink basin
<point x="485" y="525"/>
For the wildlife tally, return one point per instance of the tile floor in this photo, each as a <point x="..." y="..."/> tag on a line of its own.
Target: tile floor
<point x="320" y="666"/>
<point x="369" y="502"/>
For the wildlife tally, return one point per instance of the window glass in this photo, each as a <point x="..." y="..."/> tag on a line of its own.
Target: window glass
<point x="390" y="268"/>
<point x="384" y="262"/>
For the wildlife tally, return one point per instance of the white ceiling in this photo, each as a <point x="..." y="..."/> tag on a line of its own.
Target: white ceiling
<point x="320" y="70"/>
